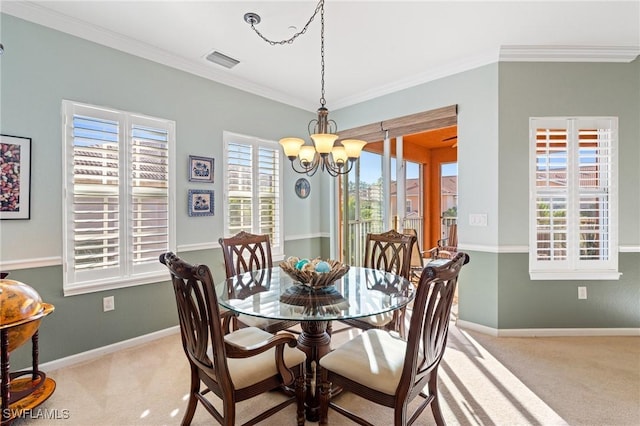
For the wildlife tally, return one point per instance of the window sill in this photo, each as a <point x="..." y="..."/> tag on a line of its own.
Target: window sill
<point x="574" y="275"/>
<point x="93" y="287"/>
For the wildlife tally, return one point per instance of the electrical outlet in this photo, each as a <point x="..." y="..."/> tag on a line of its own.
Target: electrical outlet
<point x="582" y="292"/>
<point x="108" y="304"/>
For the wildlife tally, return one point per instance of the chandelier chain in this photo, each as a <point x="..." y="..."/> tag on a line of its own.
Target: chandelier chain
<point x="327" y="155"/>
<point x="322" y="99"/>
<point x="296" y="35"/>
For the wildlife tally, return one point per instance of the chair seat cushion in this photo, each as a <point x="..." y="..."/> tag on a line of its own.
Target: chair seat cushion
<point x="248" y="371"/>
<point x="374" y="359"/>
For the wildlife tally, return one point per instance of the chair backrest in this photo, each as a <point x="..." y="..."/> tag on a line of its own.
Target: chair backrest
<point x="452" y="235"/>
<point x="390" y="252"/>
<point x="199" y="318"/>
<point x="416" y="255"/>
<point x="429" y="326"/>
<point x="246" y="252"/>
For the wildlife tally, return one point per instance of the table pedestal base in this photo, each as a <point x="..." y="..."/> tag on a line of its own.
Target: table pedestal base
<point x="315" y="342"/>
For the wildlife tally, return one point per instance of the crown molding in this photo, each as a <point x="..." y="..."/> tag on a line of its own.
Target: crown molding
<point x="522" y="53"/>
<point x="508" y="53"/>
<point x="476" y="61"/>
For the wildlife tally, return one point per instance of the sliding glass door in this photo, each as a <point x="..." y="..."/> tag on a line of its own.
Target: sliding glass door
<point x="366" y="208"/>
<point x="361" y="206"/>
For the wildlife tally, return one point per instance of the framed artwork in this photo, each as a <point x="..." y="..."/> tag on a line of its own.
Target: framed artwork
<point x="15" y="179"/>
<point x="201" y="202"/>
<point x="303" y="188"/>
<point x="200" y="169"/>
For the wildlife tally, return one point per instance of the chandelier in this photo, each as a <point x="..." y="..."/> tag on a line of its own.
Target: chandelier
<point x="326" y="153"/>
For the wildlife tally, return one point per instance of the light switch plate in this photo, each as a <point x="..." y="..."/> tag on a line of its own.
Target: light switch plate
<point x="478" y="219"/>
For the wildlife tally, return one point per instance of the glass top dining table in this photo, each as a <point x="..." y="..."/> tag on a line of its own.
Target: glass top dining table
<point x="272" y="294"/>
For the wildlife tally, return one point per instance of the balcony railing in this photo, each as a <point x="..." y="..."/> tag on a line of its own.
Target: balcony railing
<point x="358" y="230"/>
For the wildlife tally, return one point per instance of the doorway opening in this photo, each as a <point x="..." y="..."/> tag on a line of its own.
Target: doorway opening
<point x="420" y="194"/>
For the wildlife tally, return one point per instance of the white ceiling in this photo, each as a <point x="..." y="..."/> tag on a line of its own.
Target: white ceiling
<point x="371" y="47"/>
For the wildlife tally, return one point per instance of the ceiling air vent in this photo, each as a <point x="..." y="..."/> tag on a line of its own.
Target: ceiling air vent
<point x="221" y="59"/>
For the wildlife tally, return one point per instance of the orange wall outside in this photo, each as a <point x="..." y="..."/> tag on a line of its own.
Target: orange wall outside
<point x="431" y="159"/>
<point x="432" y="192"/>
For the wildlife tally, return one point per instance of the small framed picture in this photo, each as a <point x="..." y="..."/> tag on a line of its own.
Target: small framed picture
<point x="303" y="188"/>
<point x="15" y="178"/>
<point x="200" y="169"/>
<point x="201" y="202"/>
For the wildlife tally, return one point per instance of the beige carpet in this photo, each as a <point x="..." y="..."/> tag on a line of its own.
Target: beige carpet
<point x="484" y="381"/>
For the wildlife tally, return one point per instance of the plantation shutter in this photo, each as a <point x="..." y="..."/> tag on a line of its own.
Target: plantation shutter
<point x="253" y="188"/>
<point x="269" y="194"/>
<point x="95" y="231"/>
<point x="574" y="204"/>
<point x="240" y="187"/>
<point x="118" y="212"/>
<point x="149" y="195"/>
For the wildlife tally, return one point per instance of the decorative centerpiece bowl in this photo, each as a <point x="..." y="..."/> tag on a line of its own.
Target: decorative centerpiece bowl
<point x="314" y="273"/>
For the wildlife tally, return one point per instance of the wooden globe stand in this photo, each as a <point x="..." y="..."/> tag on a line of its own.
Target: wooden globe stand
<point x="20" y="394"/>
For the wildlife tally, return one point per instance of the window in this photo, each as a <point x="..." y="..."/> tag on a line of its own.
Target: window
<point x="118" y="198"/>
<point x="574" y="230"/>
<point x="252" y="188"/>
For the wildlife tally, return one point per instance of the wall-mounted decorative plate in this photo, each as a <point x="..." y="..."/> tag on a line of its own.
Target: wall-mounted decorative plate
<point x="201" y="202"/>
<point x="303" y="188"/>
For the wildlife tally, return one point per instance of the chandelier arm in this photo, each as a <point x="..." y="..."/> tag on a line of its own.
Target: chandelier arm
<point x="332" y="171"/>
<point x="335" y="170"/>
<point x="309" y="170"/>
<point x="313" y="124"/>
<point x="253" y="19"/>
<point x="333" y="130"/>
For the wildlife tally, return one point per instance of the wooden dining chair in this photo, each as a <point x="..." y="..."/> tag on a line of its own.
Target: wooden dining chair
<point x="417" y="257"/>
<point x="246" y="252"/>
<point x="390" y="371"/>
<point x="235" y="366"/>
<point x="447" y="247"/>
<point x="390" y="252"/>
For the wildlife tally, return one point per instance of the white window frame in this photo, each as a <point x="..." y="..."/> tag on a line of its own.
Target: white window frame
<point x="572" y="267"/>
<point x="277" y="239"/>
<point x="127" y="272"/>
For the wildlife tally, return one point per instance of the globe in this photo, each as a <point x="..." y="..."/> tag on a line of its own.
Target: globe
<point x="22" y="311"/>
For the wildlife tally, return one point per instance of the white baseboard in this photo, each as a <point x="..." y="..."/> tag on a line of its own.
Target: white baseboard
<point x="467" y="325"/>
<point x="476" y="327"/>
<point x="98" y="352"/>
<point x="547" y="332"/>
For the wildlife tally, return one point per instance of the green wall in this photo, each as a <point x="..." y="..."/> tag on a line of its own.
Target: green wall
<point x="476" y="94"/>
<point x="39" y="68"/>
<point x="524" y="304"/>
<point x="495" y="103"/>
<point x="567" y="89"/>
